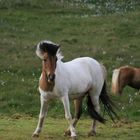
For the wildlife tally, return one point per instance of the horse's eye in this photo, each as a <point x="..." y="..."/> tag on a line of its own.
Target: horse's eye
<point x="45" y="59"/>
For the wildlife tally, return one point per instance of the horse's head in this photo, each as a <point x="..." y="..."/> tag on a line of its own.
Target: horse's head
<point x="47" y="50"/>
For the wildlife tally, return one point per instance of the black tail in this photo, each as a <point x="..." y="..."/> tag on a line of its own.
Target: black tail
<point x="92" y="112"/>
<point x="108" y="104"/>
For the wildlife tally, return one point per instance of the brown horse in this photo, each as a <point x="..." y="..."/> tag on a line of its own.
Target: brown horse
<point x="125" y="76"/>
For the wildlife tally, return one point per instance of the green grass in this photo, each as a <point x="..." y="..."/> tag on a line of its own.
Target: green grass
<point x="14" y="129"/>
<point x="109" y="36"/>
<point x="112" y="39"/>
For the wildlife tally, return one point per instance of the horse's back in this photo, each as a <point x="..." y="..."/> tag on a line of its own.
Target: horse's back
<point x="86" y="69"/>
<point x="84" y="64"/>
<point x="130" y="75"/>
<point x="83" y="60"/>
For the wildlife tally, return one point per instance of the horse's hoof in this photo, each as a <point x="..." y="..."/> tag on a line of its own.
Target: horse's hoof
<point x="67" y="133"/>
<point x="35" y="135"/>
<point x="91" y="133"/>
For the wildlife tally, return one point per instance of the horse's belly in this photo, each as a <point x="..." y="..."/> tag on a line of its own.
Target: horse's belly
<point x="135" y="84"/>
<point x="79" y="91"/>
<point x="76" y="95"/>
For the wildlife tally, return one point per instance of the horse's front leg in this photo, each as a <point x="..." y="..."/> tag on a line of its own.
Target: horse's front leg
<point x="43" y="112"/>
<point x="77" y="115"/>
<point x="65" y="100"/>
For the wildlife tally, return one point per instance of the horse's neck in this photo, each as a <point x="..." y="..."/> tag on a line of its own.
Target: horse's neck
<point x="60" y="68"/>
<point x="62" y="71"/>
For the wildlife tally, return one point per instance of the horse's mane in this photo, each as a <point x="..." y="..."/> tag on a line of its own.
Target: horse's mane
<point x="59" y="55"/>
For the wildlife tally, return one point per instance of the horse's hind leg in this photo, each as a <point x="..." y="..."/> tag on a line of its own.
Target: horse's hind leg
<point x="78" y="112"/>
<point x="93" y="128"/>
<point x="95" y="101"/>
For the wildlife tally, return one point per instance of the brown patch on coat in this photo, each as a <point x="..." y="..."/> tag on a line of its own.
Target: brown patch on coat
<point x="44" y="84"/>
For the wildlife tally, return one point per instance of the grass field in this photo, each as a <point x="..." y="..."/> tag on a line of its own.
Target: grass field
<point x="15" y="129"/>
<point x="112" y="37"/>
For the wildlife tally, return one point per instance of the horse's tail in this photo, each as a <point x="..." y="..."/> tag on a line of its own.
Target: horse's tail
<point x="92" y="112"/>
<point x="115" y="83"/>
<point x="108" y="103"/>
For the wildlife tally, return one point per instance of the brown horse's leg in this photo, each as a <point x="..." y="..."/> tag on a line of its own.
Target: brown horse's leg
<point x="78" y="112"/>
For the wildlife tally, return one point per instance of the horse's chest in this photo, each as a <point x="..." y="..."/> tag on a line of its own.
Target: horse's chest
<point x="47" y="95"/>
<point x="44" y="85"/>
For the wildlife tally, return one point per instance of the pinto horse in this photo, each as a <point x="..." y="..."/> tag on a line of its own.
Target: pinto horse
<point x="123" y="76"/>
<point x="71" y="80"/>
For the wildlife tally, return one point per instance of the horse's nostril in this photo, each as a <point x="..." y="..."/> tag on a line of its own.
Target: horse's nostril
<point x="51" y="77"/>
